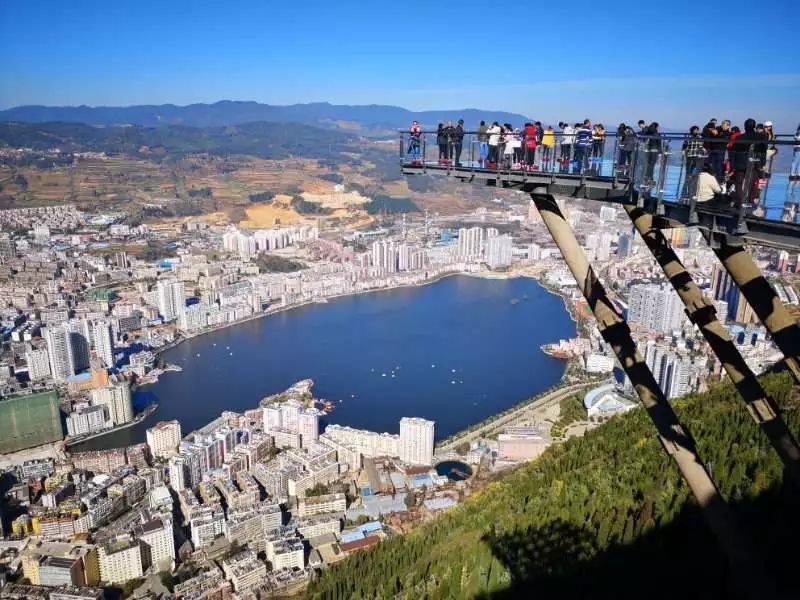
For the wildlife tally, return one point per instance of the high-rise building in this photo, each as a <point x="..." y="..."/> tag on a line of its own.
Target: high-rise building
<point x="656" y="307"/>
<point x="416" y="441"/>
<point x="470" y="242"/>
<point x="723" y="287"/>
<point x="38" y="364"/>
<point x="103" y="342"/>
<point x="171" y="299"/>
<point x="121" y="561"/>
<point x="624" y="245"/>
<point x="290" y="412"/>
<point x="80" y="339"/>
<point x="498" y="251"/>
<point x="272" y="417"/>
<point x="87" y="420"/>
<point x="308" y="426"/>
<point x="117" y="400"/>
<point x="163" y="438"/>
<point x="158" y="544"/>
<point x="59" y="352"/>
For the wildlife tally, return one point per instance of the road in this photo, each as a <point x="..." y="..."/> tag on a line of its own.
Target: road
<point x="551" y="398"/>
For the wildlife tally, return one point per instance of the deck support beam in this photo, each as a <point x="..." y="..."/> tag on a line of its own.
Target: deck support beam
<point x="676" y="441"/>
<point x="701" y="312"/>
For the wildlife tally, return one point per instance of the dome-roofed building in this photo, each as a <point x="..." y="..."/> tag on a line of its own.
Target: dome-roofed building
<point x="604" y="401"/>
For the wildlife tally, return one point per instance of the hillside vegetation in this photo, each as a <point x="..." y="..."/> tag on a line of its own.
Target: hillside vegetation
<point x="266" y="140"/>
<point x="602" y="516"/>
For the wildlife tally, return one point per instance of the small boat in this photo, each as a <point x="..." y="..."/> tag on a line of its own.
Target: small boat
<point x="198" y="354"/>
<point x="393" y="375"/>
<point x="231" y="353"/>
<point x="227" y="347"/>
<point x="453" y="370"/>
<point x="383" y="374"/>
<point x="352" y="395"/>
<point x="453" y="382"/>
<point x="214" y="344"/>
<point x="433" y="366"/>
<point x="373" y="370"/>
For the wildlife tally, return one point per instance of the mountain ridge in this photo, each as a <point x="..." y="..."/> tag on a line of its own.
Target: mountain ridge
<point x="370" y="117"/>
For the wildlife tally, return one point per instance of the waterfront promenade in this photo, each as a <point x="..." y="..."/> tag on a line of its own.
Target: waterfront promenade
<point x="515" y="415"/>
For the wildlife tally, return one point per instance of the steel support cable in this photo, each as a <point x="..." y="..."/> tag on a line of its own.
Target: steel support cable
<point x="760" y="296"/>
<point x="701" y="312"/>
<point x="747" y="569"/>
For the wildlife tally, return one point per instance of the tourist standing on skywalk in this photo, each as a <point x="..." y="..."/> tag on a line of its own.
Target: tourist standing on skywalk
<point x="415" y="133"/>
<point x="583" y="144"/>
<point x="483" y="144"/>
<point x="494" y="139"/>
<point x="567" y="138"/>
<point x="458" y="141"/>
<point x="441" y="141"/>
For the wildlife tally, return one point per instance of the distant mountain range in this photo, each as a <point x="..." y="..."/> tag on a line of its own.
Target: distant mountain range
<point x="368" y="119"/>
<point x="268" y="140"/>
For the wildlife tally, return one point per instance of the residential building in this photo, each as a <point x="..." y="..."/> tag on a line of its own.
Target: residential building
<point x="163" y="438"/>
<point x="121" y="561"/>
<point x="416" y="441"/>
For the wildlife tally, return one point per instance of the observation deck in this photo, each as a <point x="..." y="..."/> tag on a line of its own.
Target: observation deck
<point x="654" y="175"/>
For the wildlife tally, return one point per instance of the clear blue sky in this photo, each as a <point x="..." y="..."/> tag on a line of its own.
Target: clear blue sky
<point x="677" y="61"/>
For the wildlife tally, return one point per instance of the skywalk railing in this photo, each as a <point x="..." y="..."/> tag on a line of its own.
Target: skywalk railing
<point x="662" y="167"/>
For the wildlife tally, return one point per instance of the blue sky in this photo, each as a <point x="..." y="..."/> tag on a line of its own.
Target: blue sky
<point x="676" y="62"/>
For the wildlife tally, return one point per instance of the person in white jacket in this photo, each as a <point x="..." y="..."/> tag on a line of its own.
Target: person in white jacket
<point x="494" y="139"/>
<point x="567" y="139"/>
<point x="707" y="185"/>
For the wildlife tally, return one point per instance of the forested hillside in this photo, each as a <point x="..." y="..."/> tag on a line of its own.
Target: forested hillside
<point x="603" y="516"/>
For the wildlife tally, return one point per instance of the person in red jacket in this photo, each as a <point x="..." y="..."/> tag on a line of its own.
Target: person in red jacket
<point x="531" y="141"/>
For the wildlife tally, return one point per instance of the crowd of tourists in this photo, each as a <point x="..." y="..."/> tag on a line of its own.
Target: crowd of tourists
<point x="717" y="157"/>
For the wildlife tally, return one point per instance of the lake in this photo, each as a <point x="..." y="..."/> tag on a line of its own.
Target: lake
<point x="455" y="351"/>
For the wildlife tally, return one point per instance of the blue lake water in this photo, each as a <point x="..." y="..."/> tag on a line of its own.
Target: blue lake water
<point x="459" y="349"/>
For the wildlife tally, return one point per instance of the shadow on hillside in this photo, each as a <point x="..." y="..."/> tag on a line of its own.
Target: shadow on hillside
<point x="678" y="560"/>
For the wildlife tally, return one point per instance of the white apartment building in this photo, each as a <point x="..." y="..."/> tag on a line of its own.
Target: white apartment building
<point x="498" y="251"/>
<point x="416" y="441"/>
<point x="117" y="400"/>
<point x="158" y="543"/>
<point x="656" y="307"/>
<point x="286" y="554"/>
<point x="59" y="352"/>
<point x="120" y="561"/>
<point x="38" y="364"/>
<point x="369" y="443"/>
<point x="103" y="343"/>
<point x="326" y="503"/>
<point x="171" y="299"/>
<point x="244" y="570"/>
<point x="87" y="420"/>
<point x="163" y="438"/>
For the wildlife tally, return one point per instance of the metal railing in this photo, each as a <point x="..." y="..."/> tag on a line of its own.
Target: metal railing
<point x="754" y="177"/>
